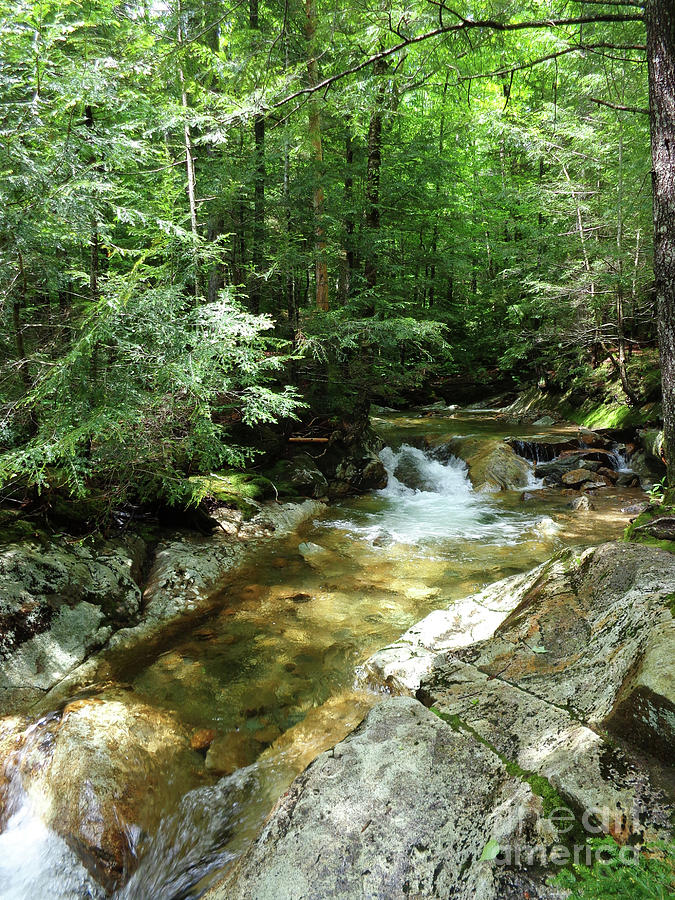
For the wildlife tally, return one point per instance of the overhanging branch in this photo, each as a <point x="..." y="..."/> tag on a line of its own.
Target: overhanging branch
<point x="463" y="25"/>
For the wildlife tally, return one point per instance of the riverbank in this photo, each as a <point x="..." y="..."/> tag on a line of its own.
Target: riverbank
<point x="222" y="704"/>
<point x="553" y="703"/>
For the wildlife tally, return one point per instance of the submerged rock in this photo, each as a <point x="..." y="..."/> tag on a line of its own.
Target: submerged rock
<point x="187" y="574"/>
<point x="232" y="751"/>
<point x="582" y="503"/>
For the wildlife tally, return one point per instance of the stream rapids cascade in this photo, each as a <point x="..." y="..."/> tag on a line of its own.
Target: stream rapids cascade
<point x="266" y="671"/>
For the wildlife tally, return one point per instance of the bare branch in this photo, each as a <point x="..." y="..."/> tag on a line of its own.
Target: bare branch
<point x="634" y="109"/>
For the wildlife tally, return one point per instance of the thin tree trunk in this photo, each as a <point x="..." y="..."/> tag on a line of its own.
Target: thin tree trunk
<point x="215" y="225"/>
<point x="660" y="23"/>
<point x="349" y="211"/>
<point x="20" y="302"/>
<point x="258" y="237"/>
<point x="320" y="267"/>
<point x="434" y="237"/>
<point x="190" y="166"/>
<point x="373" y="177"/>
<point x="621" y="336"/>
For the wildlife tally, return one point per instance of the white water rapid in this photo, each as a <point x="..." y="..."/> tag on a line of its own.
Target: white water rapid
<point x="429" y="502"/>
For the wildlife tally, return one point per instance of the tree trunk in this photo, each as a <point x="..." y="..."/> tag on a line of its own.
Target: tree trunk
<point x="215" y="279"/>
<point x="349" y="211"/>
<point x="373" y="176"/>
<point x="321" y="267"/>
<point x="189" y="165"/>
<point x="660" y="23"/>
<point x="18" y="325"/>
<point x="258" y="236"/>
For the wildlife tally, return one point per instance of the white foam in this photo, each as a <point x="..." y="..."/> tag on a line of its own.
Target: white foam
<point x="428" y="501"/>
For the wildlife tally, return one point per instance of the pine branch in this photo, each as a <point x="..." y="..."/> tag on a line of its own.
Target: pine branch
<point x="464" y="25"/>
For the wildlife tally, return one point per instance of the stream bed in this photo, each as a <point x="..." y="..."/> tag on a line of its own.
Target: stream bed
<point x="271" y="675"/>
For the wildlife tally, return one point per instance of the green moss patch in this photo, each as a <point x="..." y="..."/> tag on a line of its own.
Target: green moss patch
<point x="240" y="490"/>
<point x="541" y="786"/>
<point x="637" y="533"/>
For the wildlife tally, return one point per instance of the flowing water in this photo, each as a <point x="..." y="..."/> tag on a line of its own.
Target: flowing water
<point x="272" y="670"/>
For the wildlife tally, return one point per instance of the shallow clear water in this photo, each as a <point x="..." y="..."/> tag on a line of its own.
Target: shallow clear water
<point x="272" y="669"/>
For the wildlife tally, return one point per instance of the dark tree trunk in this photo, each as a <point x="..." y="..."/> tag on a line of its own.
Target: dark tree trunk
<point x="216" y="281"/>
<point x="660" y="23"/>
<point x="349" y="214"/>
<point x="320" y="264"/>
<point x="373" y="177"/>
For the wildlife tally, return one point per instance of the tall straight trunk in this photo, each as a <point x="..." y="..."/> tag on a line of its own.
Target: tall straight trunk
<point x="94" y="238"/>
<point x="620" y="363"/>
<point x="289" y="274"/>
<point x="190" y="166"/>
<point x="258" y="237"/>
<point x="94" y="252"/>
<point x="239" y="251"/>
<point x="349" y="213"/>
<point x="373" y="168"/>
<point x="320" y="267"/>
<point x="216" y="279"/>
<point x="434" y="236"/>
<point x="215" y="223"/>
<point x="660" y="23"/>
<point x="20" y="302"/>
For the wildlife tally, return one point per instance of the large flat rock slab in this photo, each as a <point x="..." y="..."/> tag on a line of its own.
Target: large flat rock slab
<point x="402" y="808"/>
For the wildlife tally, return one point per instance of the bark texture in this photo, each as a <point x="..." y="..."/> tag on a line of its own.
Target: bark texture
<point x="660" y="24"/>
<point x="321" y="268"/>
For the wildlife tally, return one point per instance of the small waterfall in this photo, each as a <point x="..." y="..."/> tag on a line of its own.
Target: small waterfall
<point x="536" y="451"/>
<point x="620" y="460"/>
<point x="34" y="861"/>
<point x="191" y="848"/>
<point x="428" y="501"/>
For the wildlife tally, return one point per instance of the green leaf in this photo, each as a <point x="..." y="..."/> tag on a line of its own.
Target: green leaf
<point x="490" y="850"/>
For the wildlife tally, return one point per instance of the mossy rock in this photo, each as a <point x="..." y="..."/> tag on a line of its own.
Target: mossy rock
<point x="652" y="527"/>
<point x="14" y="527"/>
<point x="241" y="490"/>
<point x="299" y="476"/>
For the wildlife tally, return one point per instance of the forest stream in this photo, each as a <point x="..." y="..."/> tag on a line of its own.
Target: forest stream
<point x="273" y="673"/>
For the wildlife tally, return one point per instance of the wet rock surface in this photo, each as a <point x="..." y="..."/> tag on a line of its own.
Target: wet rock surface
<point x="95" y="774"/>
<point x="493" y="465"/>
<point x="523" y="699"/>
<point x="61" y="600"/>
<point x="584" y="649"/>
<point x="187" y="572"/>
